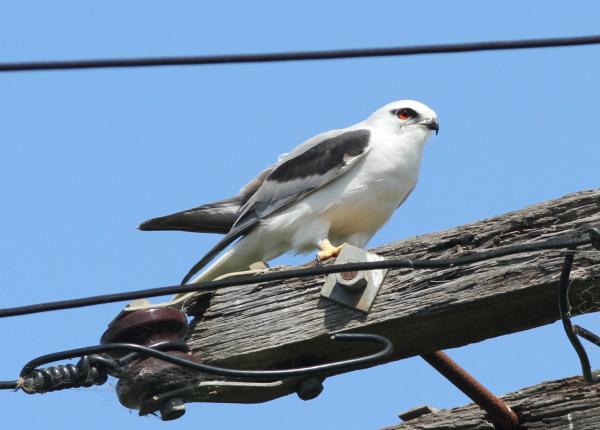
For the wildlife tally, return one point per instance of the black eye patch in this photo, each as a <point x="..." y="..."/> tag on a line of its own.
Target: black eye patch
<point x="405" y="113"/>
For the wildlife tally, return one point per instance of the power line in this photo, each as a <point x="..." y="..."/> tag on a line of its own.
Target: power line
<point x="57" y="380"/>
<point x="591" y="235"/>
<point x="302" y="55"/>
<point x="94" y="368"/>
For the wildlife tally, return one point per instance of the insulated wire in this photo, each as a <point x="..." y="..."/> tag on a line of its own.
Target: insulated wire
<point x="448" y="48"/>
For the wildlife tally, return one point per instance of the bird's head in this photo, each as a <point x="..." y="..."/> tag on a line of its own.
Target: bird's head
<point x="406" y="116"/>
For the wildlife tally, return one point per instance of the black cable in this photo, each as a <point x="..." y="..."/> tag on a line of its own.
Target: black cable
<point x="115" y="366"/>
<point x="565" y="316"/>
<point x="564" y="308"/>
<point x="587" y="335"/>
<point x="385" y="350"/>
<point x="295" y="273"/>
<point x="93" y="369"/>
<point x="302" y="55"/>
<point x="9" y="385"/>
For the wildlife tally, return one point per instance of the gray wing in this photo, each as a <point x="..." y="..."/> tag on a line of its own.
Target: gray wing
<point x="307" y="168"/>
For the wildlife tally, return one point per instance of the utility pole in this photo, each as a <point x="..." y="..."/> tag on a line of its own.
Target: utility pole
<point x="418" y="310"/>
<point x="287" y="324"/>
<point x="270" y="338"/>
<point x="566" y="404"/>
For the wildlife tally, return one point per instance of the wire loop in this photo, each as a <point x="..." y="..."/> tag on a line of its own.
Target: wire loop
<point x="565" y="315"/>
<point x="93" y="369"/>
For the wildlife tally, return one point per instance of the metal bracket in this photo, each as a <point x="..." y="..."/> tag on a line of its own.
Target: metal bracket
<point x="354" y="289"/>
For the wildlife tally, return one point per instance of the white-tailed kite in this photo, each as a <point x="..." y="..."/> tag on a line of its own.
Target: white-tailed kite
<point x="340" y="186"/>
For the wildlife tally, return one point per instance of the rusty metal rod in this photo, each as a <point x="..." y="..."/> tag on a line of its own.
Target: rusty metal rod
<point x="500" y="414"/>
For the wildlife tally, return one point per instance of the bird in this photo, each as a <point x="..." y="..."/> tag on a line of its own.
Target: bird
<point x="340" y="186"/>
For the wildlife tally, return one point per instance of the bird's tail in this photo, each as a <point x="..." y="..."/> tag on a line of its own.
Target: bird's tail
<point x="230" y="262"/>
<point x="217" y="217"/>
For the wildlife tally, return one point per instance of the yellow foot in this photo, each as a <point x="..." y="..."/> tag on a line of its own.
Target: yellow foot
<point x="327" y="250"/>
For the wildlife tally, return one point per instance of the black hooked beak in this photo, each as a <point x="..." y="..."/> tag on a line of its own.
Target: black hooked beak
<point x="433" y="125"/>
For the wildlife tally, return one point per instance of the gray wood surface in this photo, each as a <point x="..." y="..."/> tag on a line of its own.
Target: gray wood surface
<point x="566" y="404"/>
<point x="280" y="324"/>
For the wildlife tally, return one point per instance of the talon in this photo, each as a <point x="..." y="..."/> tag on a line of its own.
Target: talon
<point x="327" y="251"/>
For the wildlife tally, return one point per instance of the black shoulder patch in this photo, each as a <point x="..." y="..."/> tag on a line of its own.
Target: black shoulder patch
<point x="322" y="157"/>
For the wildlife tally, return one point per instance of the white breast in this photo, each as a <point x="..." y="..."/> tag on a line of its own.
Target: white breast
<point x="353" y="207"/>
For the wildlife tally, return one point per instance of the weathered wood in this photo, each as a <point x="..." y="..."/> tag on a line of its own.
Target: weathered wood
<point x="565" y="404"/>
<point x="421" y="310"/>
<point x="274" y="325"/>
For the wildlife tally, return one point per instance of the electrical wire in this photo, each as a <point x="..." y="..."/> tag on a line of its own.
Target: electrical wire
<point x="298" y="273"/>
<point x="93" y="369"/>
<point x="384" y="350"/>
<point x="565" y="315"/>
<point x="301" y="55"/>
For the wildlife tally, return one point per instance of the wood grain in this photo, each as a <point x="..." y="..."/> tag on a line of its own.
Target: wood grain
<point x="564" y="404"/>
<point x="287" y="324"/>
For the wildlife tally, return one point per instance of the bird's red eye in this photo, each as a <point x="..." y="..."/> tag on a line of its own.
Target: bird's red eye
<point x="406" y="113"/>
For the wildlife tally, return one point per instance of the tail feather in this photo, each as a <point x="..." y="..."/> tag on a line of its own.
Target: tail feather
<point x="229" y="238"/>
<point x="230" y="261"/>
<point x="216" y="217"/>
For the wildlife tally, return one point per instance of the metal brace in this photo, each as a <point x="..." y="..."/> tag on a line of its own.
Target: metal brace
<point x="354" y="289"/>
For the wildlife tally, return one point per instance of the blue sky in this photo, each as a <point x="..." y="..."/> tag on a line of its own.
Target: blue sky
<point x="87" y="155"/>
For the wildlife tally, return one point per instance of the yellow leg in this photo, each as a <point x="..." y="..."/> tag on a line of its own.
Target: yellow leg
<point x="327" y="250"/>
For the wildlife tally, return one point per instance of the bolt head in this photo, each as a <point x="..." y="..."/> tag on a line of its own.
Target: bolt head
<point x="353" y="281"/>
<point x="172" y="409"/>
<point x="310" y="388"/>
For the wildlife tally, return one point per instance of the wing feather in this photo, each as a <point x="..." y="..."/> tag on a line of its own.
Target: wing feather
<point x="307" y="168"/>
<point x="303" y="172"/>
